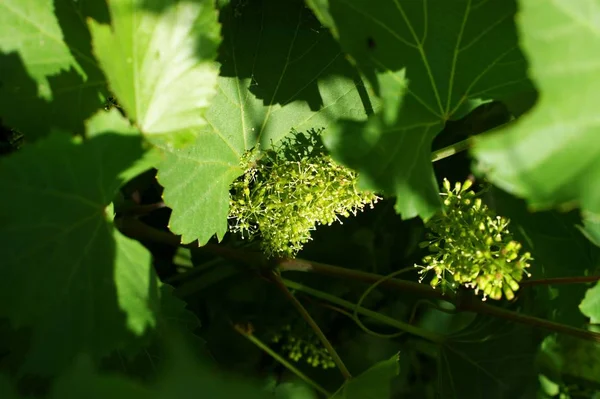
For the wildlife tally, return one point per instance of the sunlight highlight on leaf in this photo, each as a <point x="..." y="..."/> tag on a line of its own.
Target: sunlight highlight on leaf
<point x="160" y="64"/>
<point x="30" y="28"/>
<point x="551" y="156"/>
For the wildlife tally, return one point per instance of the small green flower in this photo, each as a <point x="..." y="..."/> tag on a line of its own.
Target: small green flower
<point x="292" y="189"/>
<point x="472" y="246"/>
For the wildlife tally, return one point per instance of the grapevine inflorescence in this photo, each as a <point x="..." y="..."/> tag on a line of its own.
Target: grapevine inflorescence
<point x="472" y="246"/>
<point x="297" y="348"/>
<point x="291" y="189"/>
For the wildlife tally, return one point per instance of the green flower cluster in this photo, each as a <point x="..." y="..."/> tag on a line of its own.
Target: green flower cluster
<point x="290" y="190"/>
<point x="297" y="348"/>
<point x="472" y="246"/>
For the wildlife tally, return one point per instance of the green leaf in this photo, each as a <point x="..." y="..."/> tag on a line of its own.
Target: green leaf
<point x="551" y="154"/>
<point x="279" y="70"/>
<point x="48" y="75"/>
<point x="6" y="389"/>
<point x="188" y="377"/>
<point x="67" y="272"/>
<point x="30" y="28"/>
<point x="568" y="361"/>
<point x="196" y="181"/>
<point x="144" y="358"/>
<point x="375" y="383"/>
<point x="160" y="64"/>
<point x="82" y="381"/>
<point x="426" y="61"/>
<point x="489" y="359"/>
<point x="294" y="389"/>
<point x="590" y="306"/>
<point x="185" y="377"/>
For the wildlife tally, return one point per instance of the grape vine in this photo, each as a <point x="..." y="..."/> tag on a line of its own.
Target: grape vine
<point x="299" y="199"/>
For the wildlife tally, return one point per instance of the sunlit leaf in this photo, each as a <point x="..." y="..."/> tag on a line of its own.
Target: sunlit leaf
<point x="590" y="306"/>
<point x="551" y="156"/>
<point x="160" y="65"/>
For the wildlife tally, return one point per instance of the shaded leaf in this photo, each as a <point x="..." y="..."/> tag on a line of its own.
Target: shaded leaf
<point x="6" y="389"/>
<point x="375" y="383"/>
<point x="188" y="377"/>
<point x="144" y="358"/>
<point x="551" y="155"/>
<point x="82" y="381"/>
<point x="185" y="377"/>
<point x="425" y="72"/>
<point x="64" y="263"/>
<point x="570" y="362"/>
<point x="160" y="65"/>
<point x="279" y="70"/>
<point x="558" y="249"/>
<point x="490" y="359"/>
<point x="295" y="389"/>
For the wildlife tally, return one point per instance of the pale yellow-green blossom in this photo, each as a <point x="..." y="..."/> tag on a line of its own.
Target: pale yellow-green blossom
<point x="292" y="189"/>
<point x="472" y="246"/>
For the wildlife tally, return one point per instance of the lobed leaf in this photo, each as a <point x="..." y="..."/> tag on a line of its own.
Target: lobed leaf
<point x="66" y="271"/>
<point x="279" y="70"/>
<point x="425" y="73"/>
<point x="551" y="156"/>
<point x="160" y="63"/>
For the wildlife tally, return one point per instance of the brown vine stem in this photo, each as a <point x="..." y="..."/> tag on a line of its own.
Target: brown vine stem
<point x="336" y="271"/>
<point x="466" y="304"/>
<point x="561" y="280"/>
<point x="134" y="228"/>
<point x="276" y="278"/>
<point x="474" y="305"/>
<point x="139" y="230"/>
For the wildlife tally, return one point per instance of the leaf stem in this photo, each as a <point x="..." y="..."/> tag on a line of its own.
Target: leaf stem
<point x="451" y="150"/>
<point x="281" y="360"/>
<point x="311" y="322"/>
<point x="419" y="332"/>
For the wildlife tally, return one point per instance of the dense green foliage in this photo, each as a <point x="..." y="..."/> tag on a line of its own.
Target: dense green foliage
<point x="180" y="177"/>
